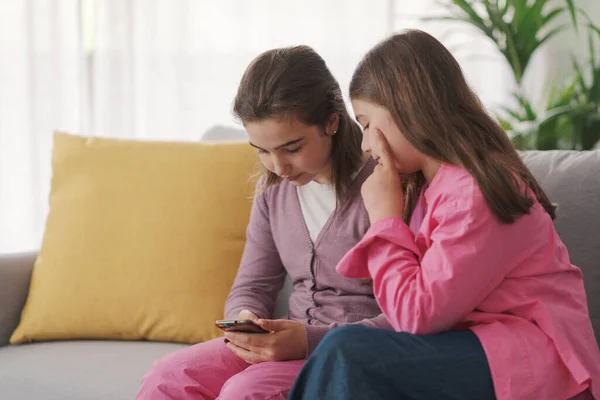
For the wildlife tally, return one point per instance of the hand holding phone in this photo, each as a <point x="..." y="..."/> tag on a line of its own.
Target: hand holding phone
<point x="286" y="341"/>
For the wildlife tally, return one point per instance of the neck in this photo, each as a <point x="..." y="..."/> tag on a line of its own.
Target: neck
<point x="430" y="169"/>
<point x="324" y="177"/>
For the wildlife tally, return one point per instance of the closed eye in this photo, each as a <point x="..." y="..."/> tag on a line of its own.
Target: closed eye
<point x="366" y="127"/>
<point x="291" y="151"/>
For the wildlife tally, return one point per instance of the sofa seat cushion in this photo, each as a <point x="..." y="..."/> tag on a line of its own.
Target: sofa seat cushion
<point x="77" y="370"/>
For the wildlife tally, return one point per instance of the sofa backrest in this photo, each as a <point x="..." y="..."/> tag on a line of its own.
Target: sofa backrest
<point x="572" y="179"/>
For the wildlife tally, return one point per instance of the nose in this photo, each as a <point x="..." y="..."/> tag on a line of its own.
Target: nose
<point x="364" y="145"/>
<point x="280" y="166"/>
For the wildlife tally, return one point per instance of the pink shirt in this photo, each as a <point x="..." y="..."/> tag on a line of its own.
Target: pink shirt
<point x="512" y="285"/>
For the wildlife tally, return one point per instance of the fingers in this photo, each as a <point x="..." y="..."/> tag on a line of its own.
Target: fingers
<point x="250" y="341"/>
<point x="246" y="314"/>
<point x="246" y="355"/>
<point x="273" y="325"/>
<point x="386" y="158"/>
<point x="252" y="347"/>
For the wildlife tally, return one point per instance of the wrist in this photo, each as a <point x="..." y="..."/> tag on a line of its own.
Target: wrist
<point x="314" y="334"/>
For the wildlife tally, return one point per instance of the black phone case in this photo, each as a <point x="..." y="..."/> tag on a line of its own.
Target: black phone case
<point x="241" y="326"/>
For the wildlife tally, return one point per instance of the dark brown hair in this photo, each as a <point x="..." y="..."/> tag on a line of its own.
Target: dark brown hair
<point x="422" y="85"/>
<point x="294" y="82"/>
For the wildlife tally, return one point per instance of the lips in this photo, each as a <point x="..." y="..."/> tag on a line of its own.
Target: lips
<point x="292" y="178"/>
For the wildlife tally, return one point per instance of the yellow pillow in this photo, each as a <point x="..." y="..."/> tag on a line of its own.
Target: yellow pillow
<point x="142" y="240"/>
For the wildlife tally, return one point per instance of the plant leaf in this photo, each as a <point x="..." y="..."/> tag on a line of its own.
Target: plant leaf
<point x="504" y="10"/>
<point x="594" y="28"/>
<point x="520" y="6"/>
<point x="526" y="105"/>
<point x="579" y="78"/>
<point x="591" y="47"/>
<point x="474" y="18"/>
<point x="594" y="90"/>
<point x="514" y="114"/>
<point x="591" y="134"/>
<point x="551" y="15"/>
<point x="445" y="18"/>
<point x="549" y="35"/>
<point x="522" y="141"/>
<point x="504" y="123"/>
<point x="571" y="7"/>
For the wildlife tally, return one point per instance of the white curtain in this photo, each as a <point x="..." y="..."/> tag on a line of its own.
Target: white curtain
<point x="168" y="70"/>
<point x="40" y="90"/>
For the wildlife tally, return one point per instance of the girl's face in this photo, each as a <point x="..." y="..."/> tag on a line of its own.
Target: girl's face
<point x="296" y="152"/>
<point x="373" y="117"/>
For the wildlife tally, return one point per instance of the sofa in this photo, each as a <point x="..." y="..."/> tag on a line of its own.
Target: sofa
<point x="102" y="369"/>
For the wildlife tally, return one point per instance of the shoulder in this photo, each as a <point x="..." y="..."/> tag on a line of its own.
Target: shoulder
<point x="269" y="205"/>
<point x="274" y="194"/>
<point x="453" y="188"/>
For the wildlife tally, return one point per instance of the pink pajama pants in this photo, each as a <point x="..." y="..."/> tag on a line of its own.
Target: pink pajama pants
<point x="210" y="370"/>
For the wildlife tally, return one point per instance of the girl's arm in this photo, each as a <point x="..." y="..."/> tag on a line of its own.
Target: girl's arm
<point x="314" y="333"/>
<point x="470" y="253"/>
<point x="261" y="274"/>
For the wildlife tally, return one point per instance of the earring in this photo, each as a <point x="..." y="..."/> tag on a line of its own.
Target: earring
<point x="334" y="132"/>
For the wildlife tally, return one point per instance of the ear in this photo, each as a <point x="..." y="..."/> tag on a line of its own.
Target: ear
<point x="333" y="124"/>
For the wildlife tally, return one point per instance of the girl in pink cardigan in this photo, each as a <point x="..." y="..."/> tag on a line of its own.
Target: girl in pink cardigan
<point x="483" y="298"/>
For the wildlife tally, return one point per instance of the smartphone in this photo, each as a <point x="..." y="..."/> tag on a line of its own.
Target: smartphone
<point x="240" y="325"/>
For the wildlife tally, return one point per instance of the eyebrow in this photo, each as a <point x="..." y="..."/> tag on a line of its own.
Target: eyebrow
<point x="291" y="142"/>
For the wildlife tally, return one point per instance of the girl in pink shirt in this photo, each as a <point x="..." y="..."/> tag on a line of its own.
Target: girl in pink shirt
<point x="483" y="298"/>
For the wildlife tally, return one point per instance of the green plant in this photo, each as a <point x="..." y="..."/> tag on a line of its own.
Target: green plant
<point x="570" y="118"/>
<point x="586" y="124"/>
<point x="517" y="27"/>
<point x="546" y="130"/>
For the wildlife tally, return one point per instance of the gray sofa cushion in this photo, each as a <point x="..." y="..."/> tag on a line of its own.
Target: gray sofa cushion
<point x="15" y="274"/>
<point x="572" y="179"/>
<point x="77" y="370"/>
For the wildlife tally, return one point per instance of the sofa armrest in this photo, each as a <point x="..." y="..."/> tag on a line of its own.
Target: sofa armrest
<point x="15" y="275"/>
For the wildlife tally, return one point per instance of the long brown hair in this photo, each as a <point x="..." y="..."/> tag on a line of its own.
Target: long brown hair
<point x="422" y="85"/>
<point x="294" y="82"/>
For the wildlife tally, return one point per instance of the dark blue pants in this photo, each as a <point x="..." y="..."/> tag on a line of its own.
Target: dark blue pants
<point x="356" y="362"/>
